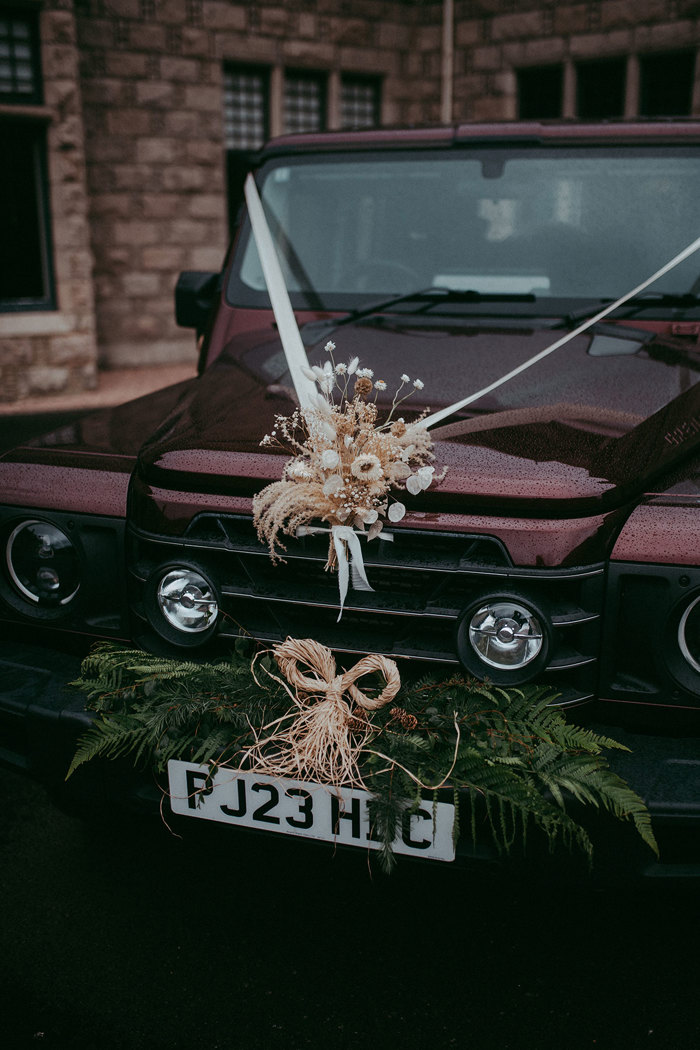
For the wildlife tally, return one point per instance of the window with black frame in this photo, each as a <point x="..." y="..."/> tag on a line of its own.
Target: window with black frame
<point x="26" y="279"/>
<point x="246" y="125"/>
<point x="359" y="102"/>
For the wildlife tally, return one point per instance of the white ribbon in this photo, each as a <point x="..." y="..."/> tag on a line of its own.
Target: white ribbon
<point x="287" y="326"/>
<point x="293" y="346"/>
<point x="344" y="539"/>
<point x="437" y="417"/>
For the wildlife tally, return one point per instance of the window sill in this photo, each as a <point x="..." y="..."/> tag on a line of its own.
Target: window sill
<point x="39" y="323"/>
<point x="20" y="111"/>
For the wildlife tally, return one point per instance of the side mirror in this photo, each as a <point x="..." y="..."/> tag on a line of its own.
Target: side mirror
<point x="196" y="292"/>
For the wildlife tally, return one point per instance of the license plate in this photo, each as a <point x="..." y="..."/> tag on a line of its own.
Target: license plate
<point x="297" y="807"/>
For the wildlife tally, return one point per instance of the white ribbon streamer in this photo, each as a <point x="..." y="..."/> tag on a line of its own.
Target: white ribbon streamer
<point x="437" y="417"/>
<point x="287" y="326"/>
<point x="344" y="539"/>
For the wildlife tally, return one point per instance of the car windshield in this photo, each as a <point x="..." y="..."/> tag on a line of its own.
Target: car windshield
<point x="553" y="224"/>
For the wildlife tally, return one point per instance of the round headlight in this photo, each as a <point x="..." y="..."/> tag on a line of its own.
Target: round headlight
<point x="187" y="600"/>
<point x="503" y="639"/>
<point x="43" y="563"/>
<point x="689" y="634"/>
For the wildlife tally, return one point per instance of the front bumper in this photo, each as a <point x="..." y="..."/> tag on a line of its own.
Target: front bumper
<point x="42" y="717"/>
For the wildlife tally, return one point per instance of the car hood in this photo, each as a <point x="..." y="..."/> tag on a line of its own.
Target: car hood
<point x="581" y="431"/>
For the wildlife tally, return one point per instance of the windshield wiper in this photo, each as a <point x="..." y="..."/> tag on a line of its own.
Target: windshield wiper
<point x="314" y="331"/>
<point x="683" y="300"/>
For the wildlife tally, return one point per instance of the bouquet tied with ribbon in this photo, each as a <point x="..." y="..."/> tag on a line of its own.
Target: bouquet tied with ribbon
<point x="345" y="464"/>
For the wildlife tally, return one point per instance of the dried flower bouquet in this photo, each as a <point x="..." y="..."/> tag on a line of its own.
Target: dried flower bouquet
<point x="344" y="462"/>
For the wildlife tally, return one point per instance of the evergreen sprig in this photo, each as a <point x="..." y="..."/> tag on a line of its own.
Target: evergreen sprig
<point x="509" y="756"/>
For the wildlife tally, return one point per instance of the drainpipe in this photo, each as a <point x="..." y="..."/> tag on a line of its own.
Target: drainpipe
<point x="448" y="51"/>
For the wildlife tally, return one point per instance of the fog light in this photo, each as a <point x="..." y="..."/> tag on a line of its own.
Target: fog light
<point x="503" y="639"/>
<point x="187" y="600"/>
<point x="689" y="634"/>
<point x="43" y="563"/>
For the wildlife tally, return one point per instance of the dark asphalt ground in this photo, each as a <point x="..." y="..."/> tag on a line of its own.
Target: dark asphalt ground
<point x="119" y="935"/>
<point x="116" y="935"/>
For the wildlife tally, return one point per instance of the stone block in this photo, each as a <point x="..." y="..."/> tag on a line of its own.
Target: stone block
<point x="207" y="206"/>
<point x="163" y="258"/>
<point x="467" y="33"/>
<point x="517" y="25"/>
<point x="274" y="21"/>
<point x="209" y="257"/>
<point x="46" y="380"/>
<point x="125" y="64"/>
<point x="184" y="231"/>
<point x="130" y="176"/>
<point x="136" y="232"/>
<point x="203" y="98"/>
<point x="148" y="37"/>
<point x="95" y="33"/>
<point x="393" y="35"/>
<point x="617" y="13"/>
<point x="187" y="178"/>
<point x="71" y="349"/>
<point x="161" y="205"/>
<point x="158" y="150"/>
<point x="593" y="45"/>
<point x="544" y="51"/>
<point x="306" y="51"/>
<point x="665" y="36"/>
<point x="58" y="27"/>
<point x="157" y="93"/>
<point x="486" y="58"/>
<point x="119" y="205"/>
<point x="128" y="123"/>
<point x="196" y="43"/>
<point x="124" y="8"/>
<point x="141" y="285"/>
<point x="219" y="14"/>
<point x="186" y="70"/>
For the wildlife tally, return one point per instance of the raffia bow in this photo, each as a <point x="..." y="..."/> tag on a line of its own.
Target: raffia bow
<point x="329" y="725"/>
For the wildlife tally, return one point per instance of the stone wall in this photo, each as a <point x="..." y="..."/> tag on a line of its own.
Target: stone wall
<point x="495" y="38"/>
<point x="134" y="96"/>
<point x="49" y="351"/>
<point x="152" y="85"/>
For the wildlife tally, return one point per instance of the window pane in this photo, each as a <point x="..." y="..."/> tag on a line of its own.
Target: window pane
<point x="303" y="103"/>
<point x="359" y="103"/>
<point x="245" y="108"/>
<point x="551" y="223"/>
<point x="24" y="261"/>
<point x="19" y="61"/>
<point x="540" y="92"/>
<point x="666" y="84"/>
<point x="600" y="89"/>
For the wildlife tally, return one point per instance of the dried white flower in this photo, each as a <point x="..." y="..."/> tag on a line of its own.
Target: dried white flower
<point x="405" y="378"/>
<point x="380" y="385"/>
<point x="330" y="458"/>
<point x="341" y="368"/>
<point x="352" y="367"/>
<point x="333" y="485"/>
<point x="329" y="347"/>
<point x="418" y="384"/>
<point x="367" y="467"/>
<point x="364" y="373"/>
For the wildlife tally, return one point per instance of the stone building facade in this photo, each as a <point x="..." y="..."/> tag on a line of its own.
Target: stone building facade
<point x="141" y="110"/>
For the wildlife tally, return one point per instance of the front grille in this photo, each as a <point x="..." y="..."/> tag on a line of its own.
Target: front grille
<point x="422" y="580"/>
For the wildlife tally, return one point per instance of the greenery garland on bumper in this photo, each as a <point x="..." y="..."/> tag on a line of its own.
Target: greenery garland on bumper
<point x="510" y="759"/>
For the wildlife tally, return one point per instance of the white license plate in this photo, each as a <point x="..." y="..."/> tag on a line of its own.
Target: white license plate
<point x="297" y="807"/>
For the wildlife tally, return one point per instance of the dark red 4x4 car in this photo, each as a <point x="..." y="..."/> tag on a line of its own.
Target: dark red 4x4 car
<point x="563" y="542"/>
